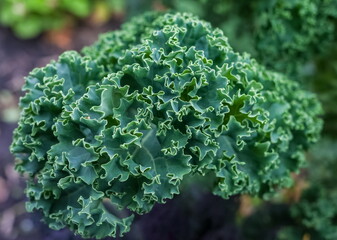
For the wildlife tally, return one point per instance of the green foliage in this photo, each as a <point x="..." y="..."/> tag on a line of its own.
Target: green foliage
<point x="316" y="212"/>
<point x="233" y="17"/>
<point x="28" y="18"/>
<point x="289" y="31"/>
<point x="314" y="215"/>
<point x="165" y="98"/>
<point x="324" y="82"/>
<point x="281" y="34"/>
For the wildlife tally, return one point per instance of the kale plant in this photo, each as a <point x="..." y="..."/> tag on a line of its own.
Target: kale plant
<point x="146" y="108"/>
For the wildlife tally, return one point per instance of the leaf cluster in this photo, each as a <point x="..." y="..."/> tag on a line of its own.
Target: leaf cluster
<point x="120" y="127"/>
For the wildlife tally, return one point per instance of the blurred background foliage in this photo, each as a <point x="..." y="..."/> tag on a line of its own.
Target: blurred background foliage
<point x="295" y="37"/>
<point x="28" y="18"/>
